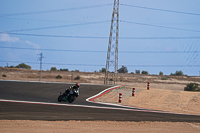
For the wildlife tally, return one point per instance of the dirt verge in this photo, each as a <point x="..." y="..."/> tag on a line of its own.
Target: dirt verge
<point x="9" y="126"/>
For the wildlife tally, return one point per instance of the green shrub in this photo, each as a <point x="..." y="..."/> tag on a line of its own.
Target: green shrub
<point x="77" y="78"/>
<point x="58" y="77"/>
<point x="177" y="73"/>
<point x="3" y="75"/>
<point x="53" y="69"/>
<point x="64" y="70"/>
<point x="160" y="73"/>
<point x="164" y="78"/>
<point x="144" y="72"/>
<point x="11" y="67"/>
<point x="23" y="66"/>
<point x="123" y="69"/>
<point x="137" y="71"/>
<point x="111" y="79"/>
<point x="103" y="70"/>
<point x="192" y="87"/>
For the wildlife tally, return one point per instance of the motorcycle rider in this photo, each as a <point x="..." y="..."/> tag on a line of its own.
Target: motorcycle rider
<point x="72" y="88"/>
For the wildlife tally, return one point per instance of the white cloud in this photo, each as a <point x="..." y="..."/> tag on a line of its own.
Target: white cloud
<point x="33" y="44"/>
<point x="6" y="38"/>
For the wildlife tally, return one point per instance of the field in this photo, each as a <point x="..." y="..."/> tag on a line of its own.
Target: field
<point x="165" y="94"/>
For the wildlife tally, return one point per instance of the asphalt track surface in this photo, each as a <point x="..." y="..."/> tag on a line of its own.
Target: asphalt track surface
<point x="78" y="110"/>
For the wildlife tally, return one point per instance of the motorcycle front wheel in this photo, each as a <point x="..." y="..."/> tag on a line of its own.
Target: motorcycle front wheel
<point x="60" y="98"/>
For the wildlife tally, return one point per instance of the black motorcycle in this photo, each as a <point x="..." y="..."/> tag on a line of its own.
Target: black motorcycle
<point x="70" y="96"/>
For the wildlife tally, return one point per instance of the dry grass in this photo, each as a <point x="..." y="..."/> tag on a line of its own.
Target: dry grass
<point x="94" y="77"/>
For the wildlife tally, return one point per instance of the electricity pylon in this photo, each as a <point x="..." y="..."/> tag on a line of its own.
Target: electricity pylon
<point x="40" y="59"/>
<point x="112" y="53"/>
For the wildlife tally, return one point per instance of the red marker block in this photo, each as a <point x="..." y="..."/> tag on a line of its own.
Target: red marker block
<point x="120" y="97"/>
<point x="148" y="85"/>
<point x="133" y="92"/>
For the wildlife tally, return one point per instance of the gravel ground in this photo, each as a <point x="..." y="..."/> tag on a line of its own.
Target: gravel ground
<point x="9" y="126"/>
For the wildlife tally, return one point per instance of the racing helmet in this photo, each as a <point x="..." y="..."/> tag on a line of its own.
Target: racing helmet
<point x="77" y="84"/>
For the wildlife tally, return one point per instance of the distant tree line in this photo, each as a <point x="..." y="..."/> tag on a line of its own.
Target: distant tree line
<point x="22" y="65"/>
<point x="66" y="70"/>
<point x="55" y="69"/>
<point x="177" y="73"/>
<point x="123" y="69"/>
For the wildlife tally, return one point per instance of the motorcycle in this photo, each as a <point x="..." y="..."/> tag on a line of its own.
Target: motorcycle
<point x="70" y="97"/>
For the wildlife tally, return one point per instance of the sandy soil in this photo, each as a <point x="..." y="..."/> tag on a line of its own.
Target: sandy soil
<point x="166" y="95"/>
<point x="174" y="101"/>
<point x="9" y="126"/>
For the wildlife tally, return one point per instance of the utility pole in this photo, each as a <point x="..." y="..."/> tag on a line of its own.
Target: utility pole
<point x="40" y="59"/>
<point x="112" y="53"/>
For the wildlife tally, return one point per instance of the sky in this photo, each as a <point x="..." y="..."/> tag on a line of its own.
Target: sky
<point x="154" y="36"/>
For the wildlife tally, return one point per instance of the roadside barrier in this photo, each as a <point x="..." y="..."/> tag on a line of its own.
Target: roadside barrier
<point x="133" y="92"/>
<point x="148" y="85"/>
<point x="120" y="97"/>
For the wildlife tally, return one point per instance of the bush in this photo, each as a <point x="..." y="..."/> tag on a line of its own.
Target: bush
<point x="192" y="87"/>
<point x="144" y="72"/>
<point x="164" y="78"/>
<point x="3" y="75"/>
<point x="111" y="79"/>
<point x="77" y="77"/>
<point x="177" y="73"/>
<point x="11" y="67"/>
<point x="23" y="66"/>
<point x="53" y="69"/>
<point x="58" y="77"/>
<point x="64" y="70"/>
<point x="123" y="69"/>
<point x="160" y="73"/>
<point x="137" y="71"/>
<point x="103" y="70"/>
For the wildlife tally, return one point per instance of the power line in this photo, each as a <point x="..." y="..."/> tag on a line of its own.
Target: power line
<point x="95" y="37"/>
<point x="159" y="52"/>
<point x="163" y="65"/>
<point x="159" y="26"/>
<point x="60" y="50"/>
<point x="53" y="11"/>
<point x="98" y="22"/>
<point x="57" y="36"/>
<point x="163" y="10"/>
<point x="42" y="20"/>
<point x="161" y="38"/>
<point x="93" y="51"/>
<point x="55" y="63"/>
<point x="59" y="26"/>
